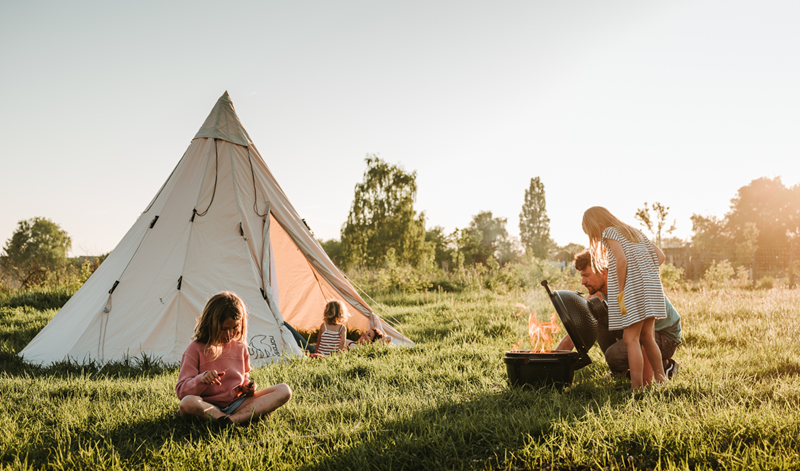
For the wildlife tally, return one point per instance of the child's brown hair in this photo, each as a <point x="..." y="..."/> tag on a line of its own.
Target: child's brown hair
<point x="335" y="313"/>
<point x="221" y="307"/>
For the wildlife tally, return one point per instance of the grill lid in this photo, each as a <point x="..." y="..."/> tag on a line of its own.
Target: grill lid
<point x="579" y="320"/>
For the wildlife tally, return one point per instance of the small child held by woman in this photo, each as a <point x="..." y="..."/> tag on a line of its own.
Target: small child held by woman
<point x="635" y="295"/>
<point x="214" y="380"/>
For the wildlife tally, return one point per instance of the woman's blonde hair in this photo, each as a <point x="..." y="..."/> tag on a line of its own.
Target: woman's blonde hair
<point x="335" y="313"/>
<point x="221" y="307"/>
<point x="597" y="219"/>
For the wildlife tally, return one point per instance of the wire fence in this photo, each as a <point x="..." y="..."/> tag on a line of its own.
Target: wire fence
<point x="776" y="261"/>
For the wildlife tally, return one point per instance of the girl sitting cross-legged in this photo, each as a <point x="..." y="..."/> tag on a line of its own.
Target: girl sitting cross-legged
<point x="214" y="380"/>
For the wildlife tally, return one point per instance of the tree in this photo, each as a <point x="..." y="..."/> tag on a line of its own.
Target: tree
<point x="37" y="248"/>
<point x="746" y="250"/>
<point x="567" y="253"/>
<point x="334" y="250"/>
<point x="486" y="241"/>
<point x="442" y="244"/>
<point x="767" y="203"/>
<point x="708" y="233"/>
<point x="382" y="217"/>
<point x="655" y="224"/>
<point x="534" y="225"/>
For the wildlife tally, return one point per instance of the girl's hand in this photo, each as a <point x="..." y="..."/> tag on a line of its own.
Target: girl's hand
<point x="249" y="389"/>
<point x="212" y="377"/>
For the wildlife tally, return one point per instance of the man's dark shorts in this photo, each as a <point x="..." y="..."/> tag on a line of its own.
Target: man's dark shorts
<point x="616" y="351"/>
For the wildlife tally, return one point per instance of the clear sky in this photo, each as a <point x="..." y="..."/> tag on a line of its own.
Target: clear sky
<point x="611" y="103"/>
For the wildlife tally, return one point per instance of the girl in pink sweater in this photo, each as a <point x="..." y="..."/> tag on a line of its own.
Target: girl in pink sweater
<point x="214" y="381"/>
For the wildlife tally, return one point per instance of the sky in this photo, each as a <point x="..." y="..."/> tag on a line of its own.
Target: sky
<point x="612" y="103"/>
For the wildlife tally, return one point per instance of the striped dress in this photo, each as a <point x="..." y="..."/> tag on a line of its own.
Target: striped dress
<point x="328" y="341"/>
<point x="644" y="296"/>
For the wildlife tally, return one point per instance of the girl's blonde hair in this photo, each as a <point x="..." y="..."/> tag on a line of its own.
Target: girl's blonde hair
<point x="335" y="313"/>
<point x="221" y="307"/>
<point x="597" y="219"/>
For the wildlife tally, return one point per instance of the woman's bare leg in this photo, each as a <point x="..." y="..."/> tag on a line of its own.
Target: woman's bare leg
<point x="195" y="405"/>
<point x="261" y="403"/>
<point x="651" y="349"/>
<point x="630" y="335"/>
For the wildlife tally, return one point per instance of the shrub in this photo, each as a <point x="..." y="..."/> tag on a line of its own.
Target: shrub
<point x="718" y="274"/>
<point x="671" y="276"/>
<point x="404" y="277"/>
<point x="765" y="282"/>
<point x="743" y="277"/>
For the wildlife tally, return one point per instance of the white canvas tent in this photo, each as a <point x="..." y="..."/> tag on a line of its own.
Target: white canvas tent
<point x="220" y="222"/>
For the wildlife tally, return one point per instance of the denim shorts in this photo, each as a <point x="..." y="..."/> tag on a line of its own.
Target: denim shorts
<point x="231" y="408"/>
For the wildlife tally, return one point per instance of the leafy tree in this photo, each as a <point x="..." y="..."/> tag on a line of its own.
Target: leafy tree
<point x="708" y="233"/>
<point x="672" y="243"/>
<point x="442" y="244"/>
<point x="534" y="225"/>
<point x="382" y="217"/>
<point x="567" y="253"/>
<point x="746" y="250"/>
<point x="655" y="224"/>
<point x="333" y="248"/>
<point x="486" y="241"/>
<point x="37" y="248"/>
<point x="767" y="203"/>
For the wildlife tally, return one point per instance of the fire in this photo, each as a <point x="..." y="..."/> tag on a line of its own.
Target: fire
<point x="541" y="333"/>
<point x="523" y="307"/>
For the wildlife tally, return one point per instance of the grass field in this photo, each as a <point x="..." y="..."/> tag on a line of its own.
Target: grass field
<point x="443" y="404"/>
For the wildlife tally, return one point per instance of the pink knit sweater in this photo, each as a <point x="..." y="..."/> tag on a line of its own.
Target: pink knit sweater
<point x="234" y="361"/>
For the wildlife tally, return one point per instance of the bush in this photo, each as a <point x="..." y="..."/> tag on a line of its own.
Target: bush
<point x="719" y="274"/>
<point x="527" y="273"/>
<point x="671" y="276"/>
<point x="743" y="277"/>
<point x="765" y="282"/>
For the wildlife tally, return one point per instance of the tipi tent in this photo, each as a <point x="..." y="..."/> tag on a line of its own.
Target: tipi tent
<point x="220" y="222"/>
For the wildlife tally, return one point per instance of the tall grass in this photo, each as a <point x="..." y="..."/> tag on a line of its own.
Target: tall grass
<point x="444" y="404"/>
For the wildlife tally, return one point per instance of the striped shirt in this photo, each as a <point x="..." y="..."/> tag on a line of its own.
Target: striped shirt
<point x="644" y="296"/>
<point x="328" y="341"/>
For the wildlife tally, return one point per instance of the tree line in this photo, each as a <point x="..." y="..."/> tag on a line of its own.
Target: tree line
<point x="383" y="228"/>
<point x="382" y="218"/>
<point x="764" y="217"/>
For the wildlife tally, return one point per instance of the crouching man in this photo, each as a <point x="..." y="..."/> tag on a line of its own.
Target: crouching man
<point x="667" y="330"/>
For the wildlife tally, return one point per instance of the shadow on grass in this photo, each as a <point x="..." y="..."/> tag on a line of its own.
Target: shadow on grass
<point x="477" y="433"/>
<point x="133" y="444"/>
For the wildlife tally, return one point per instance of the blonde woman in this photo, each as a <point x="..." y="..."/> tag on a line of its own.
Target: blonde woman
<point x="635" y="295"/>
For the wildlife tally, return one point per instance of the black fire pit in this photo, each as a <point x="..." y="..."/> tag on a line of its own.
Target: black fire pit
<point x="557" y="368"/>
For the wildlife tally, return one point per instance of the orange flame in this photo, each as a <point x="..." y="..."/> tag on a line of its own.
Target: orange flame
<point x="541" y="333"/>
<point x="523" y="307"/>
<point x="515" y="347"/>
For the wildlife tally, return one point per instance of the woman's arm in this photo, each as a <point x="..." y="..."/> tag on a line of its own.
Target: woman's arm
<point x="622" y="262"/>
